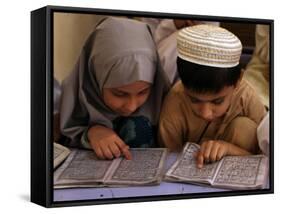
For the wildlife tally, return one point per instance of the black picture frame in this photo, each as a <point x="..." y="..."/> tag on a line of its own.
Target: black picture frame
<point x="42" y="73"/>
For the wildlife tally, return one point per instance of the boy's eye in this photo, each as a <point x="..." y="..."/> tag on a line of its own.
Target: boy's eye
<point x="194" y="100"/>
<point x="218" y="101"/>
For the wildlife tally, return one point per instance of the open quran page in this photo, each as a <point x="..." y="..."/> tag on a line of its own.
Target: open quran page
<point x="60" y="154"/>
<point x="186" y="170"/>
<point x="231" y="172"/>
<point x="242" y="172"/>
<point x="145" y="168"/>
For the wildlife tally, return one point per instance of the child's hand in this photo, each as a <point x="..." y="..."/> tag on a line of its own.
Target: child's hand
<point x="106" y="143"/>
<point x="211" y="151"/>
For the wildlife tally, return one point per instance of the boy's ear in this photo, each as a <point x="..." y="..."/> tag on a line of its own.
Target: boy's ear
<point x="240" y="78"/>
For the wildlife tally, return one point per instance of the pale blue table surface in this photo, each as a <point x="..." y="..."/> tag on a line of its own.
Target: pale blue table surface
<point x="165" y="188"/>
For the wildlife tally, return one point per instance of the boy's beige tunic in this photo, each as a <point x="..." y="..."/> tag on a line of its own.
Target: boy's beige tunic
<point x="178" y="124"/>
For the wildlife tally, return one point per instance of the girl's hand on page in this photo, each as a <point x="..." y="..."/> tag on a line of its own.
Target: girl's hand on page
<point x="106" y="143"/>
<point x="211" y="151"/>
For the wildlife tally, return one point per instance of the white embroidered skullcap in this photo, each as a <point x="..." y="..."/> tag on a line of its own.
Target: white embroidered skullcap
<point x="209" y="45"/>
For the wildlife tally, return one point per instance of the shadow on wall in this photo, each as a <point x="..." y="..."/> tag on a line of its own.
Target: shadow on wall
<point x="246" y="33"/>
<point x="72" y="30"/>
<point x="70" y="33"/>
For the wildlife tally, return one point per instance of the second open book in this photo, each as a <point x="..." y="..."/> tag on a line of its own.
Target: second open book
<point x="232" y="172"/>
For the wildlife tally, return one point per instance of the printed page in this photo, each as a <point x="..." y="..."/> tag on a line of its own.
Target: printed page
<point x="145" y="168"/>
<point x="186" y="170"/>
<point x="82" y="169"/>
<point x="60" y="154"/>
<point x="242" y="172"/>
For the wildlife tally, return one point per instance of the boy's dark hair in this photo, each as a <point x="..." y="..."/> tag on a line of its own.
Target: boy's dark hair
<point x="206" y="79"/>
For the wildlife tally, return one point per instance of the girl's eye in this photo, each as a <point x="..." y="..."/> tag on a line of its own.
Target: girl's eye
<point x="144" y="92"/>
<point x="119" y="94"/>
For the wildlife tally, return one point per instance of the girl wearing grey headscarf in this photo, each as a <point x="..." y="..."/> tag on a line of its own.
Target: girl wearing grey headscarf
<point x="120" y="52"/>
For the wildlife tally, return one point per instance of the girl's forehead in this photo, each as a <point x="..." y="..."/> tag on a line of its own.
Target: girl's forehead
<point x="133" y="87"/>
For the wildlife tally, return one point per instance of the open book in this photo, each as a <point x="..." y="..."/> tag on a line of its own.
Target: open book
<point x="83" y="169"/>
<point x="231" y="172"/>
<point x="60" y="154"/>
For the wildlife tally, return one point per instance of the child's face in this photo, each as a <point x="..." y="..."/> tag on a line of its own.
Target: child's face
<point x="127" y="99"/>
<point x="211" y="106"/>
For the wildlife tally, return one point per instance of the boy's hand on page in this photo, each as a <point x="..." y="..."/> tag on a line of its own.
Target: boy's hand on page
<point x="107" y="144"/>
<point x="211" y="151"/>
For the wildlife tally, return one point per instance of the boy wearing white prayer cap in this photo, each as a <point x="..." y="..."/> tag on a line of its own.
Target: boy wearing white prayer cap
<point x="212" y="105"/>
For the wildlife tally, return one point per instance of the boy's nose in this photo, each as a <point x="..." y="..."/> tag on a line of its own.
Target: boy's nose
<point x="206" y="112"/>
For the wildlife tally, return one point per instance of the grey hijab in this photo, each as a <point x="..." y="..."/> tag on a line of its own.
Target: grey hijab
<point x="118" y="52"/>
